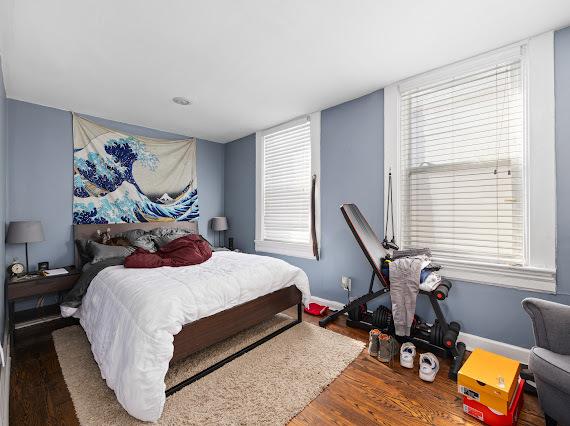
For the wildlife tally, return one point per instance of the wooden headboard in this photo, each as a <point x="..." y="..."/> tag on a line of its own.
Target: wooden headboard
<point x="89" y="232"/>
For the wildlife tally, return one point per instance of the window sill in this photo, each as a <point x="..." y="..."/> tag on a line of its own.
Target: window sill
<point x="523" y="278"/>
<point x="304" y="251"/>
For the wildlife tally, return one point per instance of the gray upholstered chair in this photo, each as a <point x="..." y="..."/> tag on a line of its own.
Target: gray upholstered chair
<point x="550" y="359"/>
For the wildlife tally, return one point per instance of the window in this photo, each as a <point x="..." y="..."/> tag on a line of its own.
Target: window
<point x="462" y="168"/>
<point x="471" y="149"/>
<point x="287" y="158"/>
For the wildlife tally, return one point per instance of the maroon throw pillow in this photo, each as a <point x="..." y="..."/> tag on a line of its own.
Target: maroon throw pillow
<point x="142" y="258"/>
<point x="183" y="251"/>
<point x="187" y="250"/>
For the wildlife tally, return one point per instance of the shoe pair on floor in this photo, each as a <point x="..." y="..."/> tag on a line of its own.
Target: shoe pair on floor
<point x="382" y="346"/>
<point x="429" y="364"/>
<point x="385" y="347"/>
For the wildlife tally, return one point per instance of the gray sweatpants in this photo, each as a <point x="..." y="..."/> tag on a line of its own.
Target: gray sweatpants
<point x="404" y="287"/>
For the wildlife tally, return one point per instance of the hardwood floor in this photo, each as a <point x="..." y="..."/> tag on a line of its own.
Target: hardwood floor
<point x="367" y="392"/>
<point x="38" y="394"/>
<point x="370" y="392"/>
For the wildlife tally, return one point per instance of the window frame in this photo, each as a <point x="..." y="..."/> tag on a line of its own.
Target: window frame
<point x="537" y="62"/>
<point x="279" y="247"/>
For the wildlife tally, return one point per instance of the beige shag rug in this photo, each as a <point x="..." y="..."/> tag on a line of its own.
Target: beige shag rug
<point x="268" y="385"/>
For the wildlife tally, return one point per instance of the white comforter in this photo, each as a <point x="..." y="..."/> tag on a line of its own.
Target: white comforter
<point x="131" y="315"/>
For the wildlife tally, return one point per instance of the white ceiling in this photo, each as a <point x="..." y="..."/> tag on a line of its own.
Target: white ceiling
<point x="247" y="64"/>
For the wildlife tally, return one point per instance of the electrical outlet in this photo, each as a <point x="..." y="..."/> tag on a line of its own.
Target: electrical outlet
<point x="346" y="283"/>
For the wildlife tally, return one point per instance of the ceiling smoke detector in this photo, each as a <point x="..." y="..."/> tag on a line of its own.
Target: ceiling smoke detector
<point x="181" y="101"/>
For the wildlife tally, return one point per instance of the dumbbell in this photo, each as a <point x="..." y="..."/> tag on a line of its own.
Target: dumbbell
<point x="452" y="333"/>
<point x="382" y="317"/>
<point x="436" y="334"/>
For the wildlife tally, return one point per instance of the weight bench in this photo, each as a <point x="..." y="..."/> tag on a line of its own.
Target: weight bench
<point x="440" y="338"/>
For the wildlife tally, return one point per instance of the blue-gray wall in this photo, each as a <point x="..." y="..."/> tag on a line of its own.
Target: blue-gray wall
<point x="239" y="191"/>
<point x="352" y="171"/>
<point x="3" y="143"/>
<point x="40" y="177"/>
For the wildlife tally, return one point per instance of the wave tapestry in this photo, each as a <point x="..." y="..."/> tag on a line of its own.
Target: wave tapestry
<point x="124" y="178"/>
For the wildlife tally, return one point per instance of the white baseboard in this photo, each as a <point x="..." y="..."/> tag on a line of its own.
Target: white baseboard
<point x="471" y="340"/>
<point x="510" y="351"/>
<point x="330" y="303"/>
<point x="5" y="380"/>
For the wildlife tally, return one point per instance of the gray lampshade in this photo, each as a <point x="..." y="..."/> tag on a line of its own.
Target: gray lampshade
<point x="219" y="223"/>
<point x="25" y="231"/>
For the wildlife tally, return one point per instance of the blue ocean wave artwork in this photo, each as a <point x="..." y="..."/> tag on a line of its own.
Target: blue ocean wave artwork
<point x="106" y="191"/>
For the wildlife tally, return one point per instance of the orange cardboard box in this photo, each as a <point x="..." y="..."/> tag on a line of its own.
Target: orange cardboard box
<point x="490" y="379"/>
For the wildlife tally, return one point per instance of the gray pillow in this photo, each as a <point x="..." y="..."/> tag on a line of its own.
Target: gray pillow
<point x="132" y="235"/>
<point x="101" y="252"/>
<point x="84" y="254"/>
<point x="146" y="242"/>
<point x="163" y="236"/>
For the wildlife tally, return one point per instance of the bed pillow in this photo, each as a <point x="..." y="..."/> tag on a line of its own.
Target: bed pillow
<point x="146" y="242"/>
<point x="83" y="251"/>
<point x="139" y="238"/>
<point x="132" y="235"/>
<point x="190" y="249"/>
<point x="101" y="252"/>
<point x="163" y="236"/>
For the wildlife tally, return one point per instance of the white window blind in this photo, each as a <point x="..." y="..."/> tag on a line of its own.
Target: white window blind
<point x="463" y="166"/>
<point x="286" y="189"/>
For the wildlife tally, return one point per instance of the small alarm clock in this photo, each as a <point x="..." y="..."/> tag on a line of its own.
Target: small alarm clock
<point x="16" y="269"/>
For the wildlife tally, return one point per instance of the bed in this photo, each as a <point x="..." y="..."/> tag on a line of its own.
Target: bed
<point x="120" y="303"/>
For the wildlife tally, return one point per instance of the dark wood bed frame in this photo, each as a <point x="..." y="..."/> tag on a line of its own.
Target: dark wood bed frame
<point x="207" y="331"/>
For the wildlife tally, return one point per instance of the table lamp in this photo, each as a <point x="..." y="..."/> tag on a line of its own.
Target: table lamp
<point x="219" y="224"/>
<point x="25" y="231"/>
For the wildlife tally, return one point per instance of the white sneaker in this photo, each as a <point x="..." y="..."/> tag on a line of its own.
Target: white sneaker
<point x="429" y="366"/>
<point x="407" y="355"/>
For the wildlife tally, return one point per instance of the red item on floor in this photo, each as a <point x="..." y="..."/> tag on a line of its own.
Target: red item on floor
<point x="490" y="417"/>
<point x="316" y="309"/>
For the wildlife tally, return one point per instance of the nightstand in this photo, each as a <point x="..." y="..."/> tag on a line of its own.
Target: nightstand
<point x="18" y="289"/>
